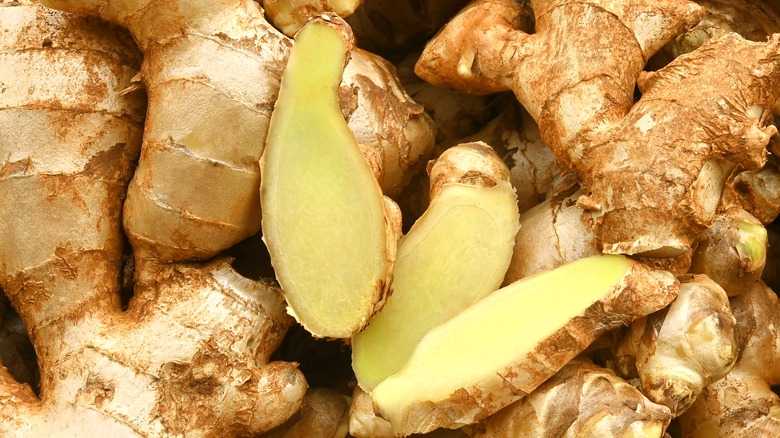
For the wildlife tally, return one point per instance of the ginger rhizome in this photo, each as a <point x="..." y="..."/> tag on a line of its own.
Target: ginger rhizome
<point x="581" y="400"/>
<point x="468" y="367"/>
<point x="455" y="254"/>
<point x="190" y="355"/>
<point x="330" y="232"/>
<point x="680" y="350"/>
<point x="212" y="71"/>
<point x="645" y="163"/>
<point x="743" y="403"/>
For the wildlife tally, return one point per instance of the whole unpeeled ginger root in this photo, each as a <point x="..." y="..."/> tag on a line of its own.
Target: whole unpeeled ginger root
<point x="190" y="355"/>
<point x="207" y="64"/>
<point x="644" y="163"/>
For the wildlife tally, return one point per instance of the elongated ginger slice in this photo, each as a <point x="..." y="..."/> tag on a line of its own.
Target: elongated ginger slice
<point x="454" y="255"/>
<point x="323" y="211"/>
<point x="503" y="347"/>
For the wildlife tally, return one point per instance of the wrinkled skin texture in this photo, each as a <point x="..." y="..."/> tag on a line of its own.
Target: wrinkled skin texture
<point x="649" y="203"/>
<point x="190" y="355"/>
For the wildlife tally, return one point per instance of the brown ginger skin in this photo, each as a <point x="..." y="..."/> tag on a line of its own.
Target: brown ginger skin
<point x="190" y="355"/>
<point x="582" y="399"/>
<point x="743" y="403"/>
<point x="649" y="203"/>
<point x="233" y="60"/>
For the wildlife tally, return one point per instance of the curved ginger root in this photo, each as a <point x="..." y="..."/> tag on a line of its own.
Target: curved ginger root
<point x="212" y="70"/>
<point x="645" y="164"/>
<point x="581" y="400"/>
<point x="680" y="350"/>
<point x="743" y="403"/>
<point x="190" y="355"/>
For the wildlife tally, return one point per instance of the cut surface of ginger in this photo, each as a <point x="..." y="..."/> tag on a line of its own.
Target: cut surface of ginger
<point x="454" y="255"/>
<point x="505" y="345"/>
<point x="323" y="213"/>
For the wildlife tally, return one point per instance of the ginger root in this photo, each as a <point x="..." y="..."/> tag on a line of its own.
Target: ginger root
<point x="206" y="64"/>
<point x="743" y="403"/>
<point x="650" y="203"/>
<point x="580" y="400"/>
<point x="682" y="349"/>
<point x="190" y="355"/>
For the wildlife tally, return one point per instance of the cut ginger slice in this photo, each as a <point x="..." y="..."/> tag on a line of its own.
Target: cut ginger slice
<point x="501" y="348"/>
<point x="323" y="211"/>
<point x="454" y="255"/>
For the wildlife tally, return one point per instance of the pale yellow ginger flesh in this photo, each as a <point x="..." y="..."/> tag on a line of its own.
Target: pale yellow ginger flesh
<point x="454" y="255"/>
<point x="323" y="211"/>
<point x="504" y="346"/>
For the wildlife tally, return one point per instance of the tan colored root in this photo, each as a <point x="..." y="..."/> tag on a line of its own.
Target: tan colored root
<point x="552" y="234"/>
<point x="752" y="19"/>
<point x="206" y="64"/>
<point x="290" y="15"/>
<point x="757" y="191"/>
<point x="743" y="403"/>
<point x="396" y="132"/>
<point x="532" y="166"/>
<point x="191" y="353"/>
<point x="732" y="252"/>
<point x="677" y="352"/>
<point x="581" y="400"/>
<point x="324" y="414"/>
<point x="588" y="115"/>
<point x="363" y="422"/>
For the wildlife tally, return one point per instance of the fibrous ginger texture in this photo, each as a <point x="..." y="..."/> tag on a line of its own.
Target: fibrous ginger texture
<point x="644" y="163"/>
<point x="324" y="218"/>
<point x="504" y="346"/>
<point x="680" y="350"/>
<point x="743" y="403"/>
<point x="189" y="356"/>
<point x="396" y="134"/>
<point x="211" y="69"/>
<point x="581" y="400"/>
<point x="454" y="255"/>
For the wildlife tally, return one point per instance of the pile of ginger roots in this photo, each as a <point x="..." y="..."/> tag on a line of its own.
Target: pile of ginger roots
<point x="375" y="218"/>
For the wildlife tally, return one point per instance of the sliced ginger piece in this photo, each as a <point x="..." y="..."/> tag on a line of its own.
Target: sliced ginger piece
<point x="454" y="255"/>
<point x="503" y="347"/>
<point x="323" y="211"/>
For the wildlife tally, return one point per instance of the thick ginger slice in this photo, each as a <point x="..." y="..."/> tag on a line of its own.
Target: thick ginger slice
<point x="645" y="164"/>
<point x="331" y="242"/>
<point x="504" y="346"/>
<point x="454" y="255"/>
<point x="190" y="355"/>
